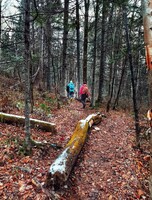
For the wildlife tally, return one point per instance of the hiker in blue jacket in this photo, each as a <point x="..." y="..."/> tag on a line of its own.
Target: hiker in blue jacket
<point x="71" y="88"/>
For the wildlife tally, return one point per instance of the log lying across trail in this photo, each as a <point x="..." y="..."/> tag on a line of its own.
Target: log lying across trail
<point x="9" y="118"/>
<point x="60" y="169"/>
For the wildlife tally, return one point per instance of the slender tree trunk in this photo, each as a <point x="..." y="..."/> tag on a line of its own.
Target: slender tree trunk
<point x="78" y="41"/>
<point x="109" y="27"/>
<point x="48" y="37"/>
<point x="41" y="61"/>
<point x="112" y="87"/>
<point x="150" y="88"/>
<point x="115" y="45"/>
<point x="102" y="53"/>
<point x="112" y="70"/>
<point x="65" y="39"/>
<point x="32" y="52"/>
<point x="0" y="29"/>
<point x="120" y="83"/>
<point x="54" y="72"/>
<point x="27" y="75"/>
<point x="132" y="78"/>
<point x="147" y="22"/>
<point x="85" y="44"/>
<point x="94" y="53"/>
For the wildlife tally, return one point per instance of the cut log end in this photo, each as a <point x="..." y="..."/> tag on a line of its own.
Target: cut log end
<point x="55" y="181"/>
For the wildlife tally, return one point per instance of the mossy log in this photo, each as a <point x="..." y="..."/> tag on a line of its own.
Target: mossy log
<point x="16" y="119"/>
<point x="60" y="169"/>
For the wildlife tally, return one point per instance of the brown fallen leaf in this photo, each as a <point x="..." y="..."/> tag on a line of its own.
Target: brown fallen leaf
<point x="140" y="193"/>
<point x="110" y="197"/>
<point x="22" y="186"/>
<point x="36" y="183"/>
<point x="147" y="158"/>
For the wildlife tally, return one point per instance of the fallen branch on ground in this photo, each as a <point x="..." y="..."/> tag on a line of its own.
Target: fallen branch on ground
<point x="9" y="118"/>
<point x="62" y="166"/>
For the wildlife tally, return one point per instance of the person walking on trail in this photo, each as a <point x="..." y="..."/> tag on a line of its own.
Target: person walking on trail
<point x="70" y="89"/>
<point x="84" y="93"/>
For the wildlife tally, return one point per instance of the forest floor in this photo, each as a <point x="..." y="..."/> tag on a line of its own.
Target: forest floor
<point x="109" y="166"/>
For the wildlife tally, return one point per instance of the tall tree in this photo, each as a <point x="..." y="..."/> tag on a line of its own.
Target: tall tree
<point x="0" y="27"/>
<point x="132" y="75"/>
<point x="27" y="64"/>
<point x="78" y="41"/>
<point x="94" y="52"/>
<point x="65" y="40"/>
<point x="102" y="52"/>
<point x="48" y="43"/>
<point x="147" y="22"/>
<point x="85" y="43"/>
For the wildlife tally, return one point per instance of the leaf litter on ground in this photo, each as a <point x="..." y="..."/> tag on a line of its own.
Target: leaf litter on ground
<point x="108" y="166"/>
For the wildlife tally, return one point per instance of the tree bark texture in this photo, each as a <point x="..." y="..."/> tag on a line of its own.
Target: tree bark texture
<point x="129" y="51"/>
<point x="48" y="43"/>
<point x="78" y="41"/>
<point x="94" y="53"/>
<point x="60" y="169"/>
<point x="27" y="69"/>
<point x="147" y="22"/>
<point x="85" y="44"/>
<point x="65" y="43"/>
<point x="102" y="53"/>
<point x="9" y="118"/>
<point x="0" y="27"/>
<point x="150" y="88"/>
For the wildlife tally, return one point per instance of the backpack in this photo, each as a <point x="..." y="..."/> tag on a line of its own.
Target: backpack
<point x="85" y="90"/>
<point x="71" y="87"/>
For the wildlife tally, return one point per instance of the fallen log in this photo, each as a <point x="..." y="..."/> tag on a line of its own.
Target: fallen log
<point x="16" y="119"/>
<point x="60" y="169"/>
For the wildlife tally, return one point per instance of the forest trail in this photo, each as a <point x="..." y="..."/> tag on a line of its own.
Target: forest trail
<point x="108" y="167"/>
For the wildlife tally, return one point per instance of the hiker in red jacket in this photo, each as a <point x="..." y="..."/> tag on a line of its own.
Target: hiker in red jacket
<point x="84" y="93"/>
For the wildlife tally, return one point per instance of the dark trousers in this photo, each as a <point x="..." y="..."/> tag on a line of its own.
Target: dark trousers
<point x="83" y="99"/>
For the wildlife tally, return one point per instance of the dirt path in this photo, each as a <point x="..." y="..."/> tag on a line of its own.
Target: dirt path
<point x="107" y="167"/>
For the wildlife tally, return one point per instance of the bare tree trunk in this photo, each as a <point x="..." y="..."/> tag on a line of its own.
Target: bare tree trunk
<point x="120" y="83"/>
<point x="132" y="78"/>
<point x="41" y="61"/>
<point x="94" y="52"/>
<point x="32" y="67"/>
<point x="112" y="71"/>
<point x="147" y="22"/>
<point x="102" y="53"/>
<point x="0" y="29"/>
<point x="65" y="39"/>
<point x="85" y="44"/>
<point x="112" y="87"/>
<point x="48" y="43"/>
<point x="150" y="88"/>
<point x="27" y="75"/>
<point x="115" y="45"/>
<point x="78" y="41"/>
